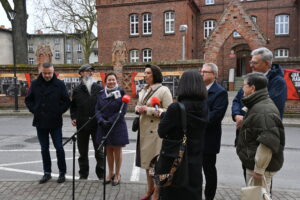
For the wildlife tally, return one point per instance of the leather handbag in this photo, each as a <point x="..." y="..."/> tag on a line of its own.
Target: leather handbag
<point x="171" y="166"/>
<point x="255" y="192"/>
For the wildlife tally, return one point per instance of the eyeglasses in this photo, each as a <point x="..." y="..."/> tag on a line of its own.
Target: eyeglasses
<point x="253" y="63"/>
<point x="205" y="72"/>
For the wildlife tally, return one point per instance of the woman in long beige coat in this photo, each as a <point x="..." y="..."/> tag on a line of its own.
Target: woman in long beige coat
<point x="149" y="143"/>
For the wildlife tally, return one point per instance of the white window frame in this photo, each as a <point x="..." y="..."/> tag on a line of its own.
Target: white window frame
<point x="30" y="48"/>
<point x="209" y="26"/>
<point x="169" y="22"/>
<point x="134" y="55"/>
<point x="147" y="23"/>
<point x="79" y="60"/>
<point x="68" y="48"/>
<point x="57" y="54"/>
<point x="31" y="61"/>
<point x="209" y="2"/>
<point x="254" y="18"/>
<point x="282" y="24"/>
<point x="79" y="47"/>
<point x="281" y="53"/>
<point x="56" y="40"/>
<point x="147" y="55"/>
<point x="69" y="61"/>
<point x="134" y="24"/>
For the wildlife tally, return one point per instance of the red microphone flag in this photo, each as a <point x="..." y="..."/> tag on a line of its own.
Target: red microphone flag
<point x="126" y="99"/>
<point x="155" y="101"/>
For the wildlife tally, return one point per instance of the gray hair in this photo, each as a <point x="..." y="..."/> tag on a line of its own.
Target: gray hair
<point x="258" y="79"/>
<point x="265" y="53"/>
<point x="214" y="68"/>
<point x="47" y="65"/>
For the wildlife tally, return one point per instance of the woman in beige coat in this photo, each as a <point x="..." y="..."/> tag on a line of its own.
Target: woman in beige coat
<point x="149" y="143"/>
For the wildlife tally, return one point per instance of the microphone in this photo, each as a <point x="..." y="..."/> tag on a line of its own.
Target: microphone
<point x="114" y="95"/>
<point x="155" y="102"/>
<point x="125" y="100"/>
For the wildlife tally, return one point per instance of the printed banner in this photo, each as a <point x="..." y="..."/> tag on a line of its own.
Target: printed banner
<point x="292" y="78"/>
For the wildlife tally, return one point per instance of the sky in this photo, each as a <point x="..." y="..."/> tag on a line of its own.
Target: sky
<point x="30" y="23"/>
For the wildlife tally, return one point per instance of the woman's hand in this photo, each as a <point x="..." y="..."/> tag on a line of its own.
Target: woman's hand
<point x="141" y="109"/>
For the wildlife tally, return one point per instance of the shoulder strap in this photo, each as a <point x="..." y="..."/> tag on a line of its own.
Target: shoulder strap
<point x="183" y="117"/>
<point x="149" y="95"/>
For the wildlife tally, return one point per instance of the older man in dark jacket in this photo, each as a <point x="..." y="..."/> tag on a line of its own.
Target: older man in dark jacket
<point x="262" y="139"/>
<point x="82" y="110"/>
<point x="48" y="100"/>
<point x="217" y="105"/>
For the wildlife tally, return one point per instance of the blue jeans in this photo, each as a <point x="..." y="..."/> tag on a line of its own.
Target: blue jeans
<point x="56" y="135"/>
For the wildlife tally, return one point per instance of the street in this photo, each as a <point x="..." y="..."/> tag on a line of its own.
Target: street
<point x="21" y="158"/>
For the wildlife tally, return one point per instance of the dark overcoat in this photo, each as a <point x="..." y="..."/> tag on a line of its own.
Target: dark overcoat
<point x="83" y="106"/>
<point x="170" y="127"/>
<point x="217" y="105"/>
<point x="47" y="100"/>
<point x="107" y="111"/>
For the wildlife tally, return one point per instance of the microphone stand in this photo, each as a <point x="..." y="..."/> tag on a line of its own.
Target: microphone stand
<point x="104" y="138"/>
<point x="73" y="138"/>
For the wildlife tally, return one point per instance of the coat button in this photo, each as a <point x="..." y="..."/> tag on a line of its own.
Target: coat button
<point x="151" y="121"/>
<point x="151" y="131"/>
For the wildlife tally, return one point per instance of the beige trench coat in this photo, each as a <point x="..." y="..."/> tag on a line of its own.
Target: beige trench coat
<point x="150" y="142"/>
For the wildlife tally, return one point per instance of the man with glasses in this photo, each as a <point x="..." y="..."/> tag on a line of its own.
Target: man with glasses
<point x="82" y="109"/>
<point x="261" y="61"/>
<point x="48" y="99"/>
<point x="217" y="106"/>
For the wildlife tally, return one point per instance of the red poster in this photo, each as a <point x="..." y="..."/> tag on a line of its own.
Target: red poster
<point x="292" y="78"/>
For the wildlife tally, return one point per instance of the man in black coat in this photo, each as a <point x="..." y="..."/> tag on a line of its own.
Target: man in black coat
<point x="82" y="109"/>
<point x="217" y="105"/>
<point x="48" y="99"/>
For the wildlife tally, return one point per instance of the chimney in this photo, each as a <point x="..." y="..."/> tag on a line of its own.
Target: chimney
<point x="39" y="32"/>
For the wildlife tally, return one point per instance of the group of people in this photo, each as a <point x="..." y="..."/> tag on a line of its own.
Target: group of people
<point x="257" y="110"/>
<point x="93" y="110"/>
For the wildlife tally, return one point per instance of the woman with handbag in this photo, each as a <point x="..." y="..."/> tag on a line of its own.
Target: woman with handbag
<point x="192" y="94"/>
<point x="118" y="138"/>
<point x="148" y="142"/>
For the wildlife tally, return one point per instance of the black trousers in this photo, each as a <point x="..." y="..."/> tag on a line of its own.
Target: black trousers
<point x="210" y="173"/>
<point x="83" y="139"/>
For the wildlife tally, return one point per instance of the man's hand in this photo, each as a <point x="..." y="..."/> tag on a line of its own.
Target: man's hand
<point x="257" y="176"/>
<point x="238" y="121"/>
<point x="74" y="122"/>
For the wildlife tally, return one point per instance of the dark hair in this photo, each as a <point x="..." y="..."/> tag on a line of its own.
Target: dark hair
<point x="191" y="85"/>
<point x="109" y="74"/>
<point x="156" y="73"/>
<point x="47" y="65"/>
<point x="257" y="79"/>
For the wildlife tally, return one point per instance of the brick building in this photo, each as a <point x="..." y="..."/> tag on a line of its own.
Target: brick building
<point x="221" y="31"/>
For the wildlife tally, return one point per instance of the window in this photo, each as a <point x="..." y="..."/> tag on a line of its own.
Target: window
<point x="281" y="53"/>
<point x="69" y="61"/>
<point x="209" y="2"/>
<point x="281" y="25"/>
<point x="68" y="49"/>
<point x="57" y="54"/>
<point x="79" y="60"/>
<point x="147" y="55"/>
<point x="30" y="48"/>
<point x="56" y="41"/>
<point x="134" y="56"/>
<point x="169" y="22"/>
<point x="31" y="61"/>
<point x="147" y="26"/>
<point x="134" y="24"/>
<point x="79" y="48"/>
<point x="254" y="18"/>
<point x="209" y="25"/>
<point x="236" y="34"/>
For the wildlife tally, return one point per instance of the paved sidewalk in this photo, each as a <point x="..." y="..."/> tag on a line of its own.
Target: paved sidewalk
<point x="92" y="190"/>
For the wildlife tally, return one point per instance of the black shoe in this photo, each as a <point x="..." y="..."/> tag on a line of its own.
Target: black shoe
<point x="45" y="178"/>
<point x="61" y="178"/>
<point x="110" y="180"/>
<point x="81" y="177"/>
<point x="116" y="182"/>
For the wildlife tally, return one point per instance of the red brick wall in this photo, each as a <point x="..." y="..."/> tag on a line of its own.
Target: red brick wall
<point x="114" y="25"/>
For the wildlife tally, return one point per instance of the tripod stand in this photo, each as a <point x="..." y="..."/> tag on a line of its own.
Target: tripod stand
<point x="73" y="138"/>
